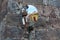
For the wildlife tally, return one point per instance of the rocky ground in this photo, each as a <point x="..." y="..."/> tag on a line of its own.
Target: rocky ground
<point x="46" y="28"/>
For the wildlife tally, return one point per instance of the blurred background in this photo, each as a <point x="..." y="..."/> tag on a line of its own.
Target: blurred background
<point x="46" y="28"/>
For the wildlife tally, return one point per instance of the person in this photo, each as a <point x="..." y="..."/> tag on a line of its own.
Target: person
<point x="32" y="17"/>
